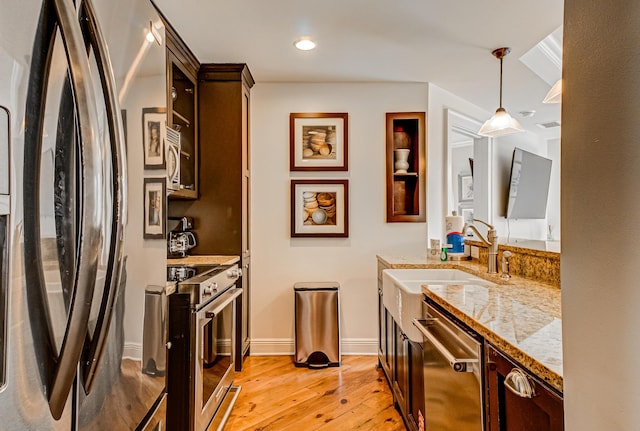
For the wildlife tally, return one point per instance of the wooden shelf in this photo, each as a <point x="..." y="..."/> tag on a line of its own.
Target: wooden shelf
<point x="406" y="192"/>
<point x="181" y="119"/>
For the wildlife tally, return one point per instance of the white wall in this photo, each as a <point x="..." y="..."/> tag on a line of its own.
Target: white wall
<point x="600" y="207"/>
<point x="278" y="261"/>
<point x="146" y="257"/>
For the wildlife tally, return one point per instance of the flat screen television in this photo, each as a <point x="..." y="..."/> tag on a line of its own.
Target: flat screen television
<point x="528" y="186"/>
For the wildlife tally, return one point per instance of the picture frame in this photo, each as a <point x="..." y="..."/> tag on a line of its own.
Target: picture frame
<point x="465" y="187"/>
<point x="155" y="208"/>
<point x="154" y="124"/>
<point x="466" y="211"/>
<point x="318" y="141"/>
<point x="320" y="208"/>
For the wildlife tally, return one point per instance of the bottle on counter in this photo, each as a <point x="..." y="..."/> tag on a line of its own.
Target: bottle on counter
<point x="443" y="254"/>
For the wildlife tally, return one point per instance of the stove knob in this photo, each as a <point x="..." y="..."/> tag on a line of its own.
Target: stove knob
<point x="210" y="289"/>
<point x="235" y="273"/>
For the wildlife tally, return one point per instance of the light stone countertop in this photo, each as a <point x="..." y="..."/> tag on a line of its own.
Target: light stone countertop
<point x="521" y="317"/>
<point x="203" y="260"/>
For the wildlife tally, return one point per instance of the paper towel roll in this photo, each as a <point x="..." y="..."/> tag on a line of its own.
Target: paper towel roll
<point x="453" y="223"/>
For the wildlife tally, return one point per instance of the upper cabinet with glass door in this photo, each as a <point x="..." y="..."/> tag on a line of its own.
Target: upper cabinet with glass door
<point x="182" y="102"/>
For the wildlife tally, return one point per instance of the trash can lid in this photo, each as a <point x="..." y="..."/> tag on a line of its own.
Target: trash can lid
<point x="155" y="289"/>
<point x="316" y="285"/>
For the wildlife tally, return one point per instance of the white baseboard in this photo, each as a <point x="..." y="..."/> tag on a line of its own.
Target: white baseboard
<point x="132" y="351"/>
<point x="285" y="346"/>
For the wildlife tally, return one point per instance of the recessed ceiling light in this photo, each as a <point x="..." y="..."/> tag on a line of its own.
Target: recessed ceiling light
<point x="305" y="44"/>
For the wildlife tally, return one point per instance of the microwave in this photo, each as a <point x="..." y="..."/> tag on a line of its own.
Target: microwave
<point x="173" y="159"/>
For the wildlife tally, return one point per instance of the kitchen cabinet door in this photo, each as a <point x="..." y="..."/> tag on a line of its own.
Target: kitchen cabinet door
<point x="182" y="103"/>
<point x="385" y="337"/>
<point x="508" y="411"/>
<point x="408" y="382"/>
<point x="401" y="370"/>
<point x="415" y="407"/>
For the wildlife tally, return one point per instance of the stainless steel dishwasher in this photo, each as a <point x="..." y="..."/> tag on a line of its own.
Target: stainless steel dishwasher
<point x="452" y="374"/>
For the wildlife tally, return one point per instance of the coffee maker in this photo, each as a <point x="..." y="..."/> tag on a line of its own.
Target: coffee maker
<point x="180" y="239"/>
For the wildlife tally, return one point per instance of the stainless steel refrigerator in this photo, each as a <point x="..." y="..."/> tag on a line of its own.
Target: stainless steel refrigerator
<point x="71" y="74"/>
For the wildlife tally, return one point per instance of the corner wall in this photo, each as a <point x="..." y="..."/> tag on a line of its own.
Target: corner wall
<point x="600" y="207"/>
<point x="278" y="261"/>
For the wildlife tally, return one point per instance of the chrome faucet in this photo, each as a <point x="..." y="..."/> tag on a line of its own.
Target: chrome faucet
<point x="491" y="241"/>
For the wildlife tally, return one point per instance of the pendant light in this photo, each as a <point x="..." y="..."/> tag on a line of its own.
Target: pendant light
<point x="555" y="94"/>
<point x="501" y="123"/>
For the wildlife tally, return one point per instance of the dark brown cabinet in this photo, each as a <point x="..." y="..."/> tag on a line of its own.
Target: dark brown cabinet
<point x="401" y="369"/>
<point x="415" y="403"/>
<point x="408" y="380"/>
<point x="516" y="410"/>
<point x="221" y="214"/>
<point x="385" y="336"/>
<point x="182" y="111"/>
<point x="406" y="167"/>
<point x="402" y="364"/>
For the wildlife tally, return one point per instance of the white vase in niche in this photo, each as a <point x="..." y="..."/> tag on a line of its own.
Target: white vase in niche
<point x="402" y="160"/>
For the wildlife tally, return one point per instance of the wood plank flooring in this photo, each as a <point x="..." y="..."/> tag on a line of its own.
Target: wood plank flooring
<point x="277" y="396"/>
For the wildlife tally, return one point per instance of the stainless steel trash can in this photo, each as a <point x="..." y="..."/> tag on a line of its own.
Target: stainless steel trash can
<point x="317" y="324"/>
<point x="154" y="337"/>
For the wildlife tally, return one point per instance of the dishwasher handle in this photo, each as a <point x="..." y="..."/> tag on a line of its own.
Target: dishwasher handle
<point x="457" y="364"/>
<point x="519" y="383"/>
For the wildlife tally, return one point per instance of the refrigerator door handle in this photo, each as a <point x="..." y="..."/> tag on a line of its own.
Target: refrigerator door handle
<point x="58" y="369"/>
<point x="95" y="344"/>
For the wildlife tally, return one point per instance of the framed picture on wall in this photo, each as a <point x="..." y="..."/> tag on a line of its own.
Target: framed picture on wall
<point x="154" y="123"/>
<point x="466" y="211"/>
<point x="319" y="208"/>
<point x="318" y="142"/>
<point x="465" y="188"/>
<point x="155" y="208"/>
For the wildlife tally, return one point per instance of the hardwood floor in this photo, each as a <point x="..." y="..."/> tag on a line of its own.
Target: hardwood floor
<point x="277" y="396"/>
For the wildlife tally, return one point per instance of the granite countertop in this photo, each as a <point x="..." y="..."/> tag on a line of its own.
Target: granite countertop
<point x="519" y="316"/>
<point x="204" y="260"/>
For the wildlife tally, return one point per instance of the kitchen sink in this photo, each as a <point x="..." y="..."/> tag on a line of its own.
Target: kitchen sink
<point x="402" y="292"/>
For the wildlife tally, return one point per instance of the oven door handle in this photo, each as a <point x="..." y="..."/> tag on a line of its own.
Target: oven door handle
<point x="458" y="364"/>
<point x="220" y="303"/>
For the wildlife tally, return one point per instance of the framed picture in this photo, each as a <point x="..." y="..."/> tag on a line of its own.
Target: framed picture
<point x="318" y="142"/>
<point x="466" y="211"/>
<point x="465" y="188"/>
<point x="155" y="208"/>
<point x="154" y="123"/>
<point x="319" y="208"/>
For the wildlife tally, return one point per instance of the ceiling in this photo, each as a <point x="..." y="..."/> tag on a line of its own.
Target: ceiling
<point x="447" y="43"/>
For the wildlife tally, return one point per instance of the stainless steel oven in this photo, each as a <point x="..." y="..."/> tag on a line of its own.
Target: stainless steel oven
<point x="202" y="333"/>
<point x="453" y="374"/>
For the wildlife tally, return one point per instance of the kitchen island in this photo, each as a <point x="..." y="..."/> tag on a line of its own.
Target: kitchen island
<point x="520" y="322"/>
<point x="521" y="317"/>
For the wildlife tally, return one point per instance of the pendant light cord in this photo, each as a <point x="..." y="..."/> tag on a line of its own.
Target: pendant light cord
<point x="501" y="82"/>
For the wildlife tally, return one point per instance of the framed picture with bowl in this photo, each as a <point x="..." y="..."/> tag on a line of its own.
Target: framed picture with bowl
<point x="320" y="208"/>
<point x="318" y="142"/>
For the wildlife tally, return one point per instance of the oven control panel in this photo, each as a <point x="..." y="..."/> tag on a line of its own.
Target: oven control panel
<point x="208" y="285"/>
